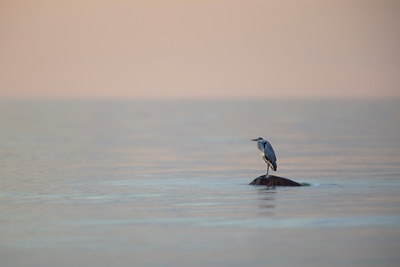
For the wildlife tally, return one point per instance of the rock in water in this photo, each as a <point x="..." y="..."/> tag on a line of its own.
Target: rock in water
<point x="273" y="180"/>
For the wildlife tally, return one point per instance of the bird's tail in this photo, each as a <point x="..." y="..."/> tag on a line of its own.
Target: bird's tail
<point x="274" y="166"/>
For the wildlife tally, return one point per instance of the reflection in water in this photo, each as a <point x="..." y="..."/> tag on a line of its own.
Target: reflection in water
<point x="267" y="201"/>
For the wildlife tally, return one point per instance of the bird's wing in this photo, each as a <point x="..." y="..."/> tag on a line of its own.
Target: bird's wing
<point x="269" y="152"/>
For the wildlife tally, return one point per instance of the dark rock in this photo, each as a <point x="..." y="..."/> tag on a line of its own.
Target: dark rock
<point x="273" y="180"/>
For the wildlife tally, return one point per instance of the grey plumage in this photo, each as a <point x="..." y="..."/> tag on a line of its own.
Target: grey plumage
<point x="267" y="153"/>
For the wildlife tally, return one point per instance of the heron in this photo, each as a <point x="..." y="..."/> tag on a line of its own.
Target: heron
<point x="267" y="153"/>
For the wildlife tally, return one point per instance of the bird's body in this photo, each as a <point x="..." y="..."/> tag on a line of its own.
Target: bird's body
<point x="267" y="153"/>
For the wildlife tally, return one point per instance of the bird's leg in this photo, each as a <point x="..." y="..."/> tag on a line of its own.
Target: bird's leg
<point x="266" y="176"/>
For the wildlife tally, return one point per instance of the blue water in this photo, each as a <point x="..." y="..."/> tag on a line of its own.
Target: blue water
<point x="165" y="183"/>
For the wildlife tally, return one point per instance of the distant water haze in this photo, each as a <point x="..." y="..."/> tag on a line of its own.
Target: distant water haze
<point x="218" y="48"/>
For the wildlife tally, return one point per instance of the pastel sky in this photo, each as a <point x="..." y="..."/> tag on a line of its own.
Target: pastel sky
<point x="199" y="48"/>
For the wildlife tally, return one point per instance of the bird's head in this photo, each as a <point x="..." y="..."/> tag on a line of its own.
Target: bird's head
<point x="257" y="139"/>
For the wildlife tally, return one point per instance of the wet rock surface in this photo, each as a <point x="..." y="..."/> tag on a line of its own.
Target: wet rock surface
<point x="273" y="180"/>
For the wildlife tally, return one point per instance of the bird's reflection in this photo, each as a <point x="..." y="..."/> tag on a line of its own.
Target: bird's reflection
<point x="267" y="201"/>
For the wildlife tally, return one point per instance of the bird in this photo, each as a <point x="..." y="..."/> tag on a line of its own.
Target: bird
<point x="267" y="153"/>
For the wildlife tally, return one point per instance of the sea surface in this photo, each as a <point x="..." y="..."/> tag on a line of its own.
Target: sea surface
<point x="165" y="183"/>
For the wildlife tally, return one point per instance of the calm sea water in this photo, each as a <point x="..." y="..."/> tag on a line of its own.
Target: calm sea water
<point x="165" y="183"/>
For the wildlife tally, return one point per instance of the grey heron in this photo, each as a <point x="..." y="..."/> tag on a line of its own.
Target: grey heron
<point x="267" y="153"/>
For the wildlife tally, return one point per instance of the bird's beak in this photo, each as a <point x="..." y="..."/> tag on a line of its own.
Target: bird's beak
<point x="254" y="139"/>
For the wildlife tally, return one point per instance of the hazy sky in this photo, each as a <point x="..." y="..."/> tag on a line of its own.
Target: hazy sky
<point x="199" y="48"/>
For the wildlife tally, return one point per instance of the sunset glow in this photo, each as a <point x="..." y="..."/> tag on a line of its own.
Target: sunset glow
<point x="218" y="48"/>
